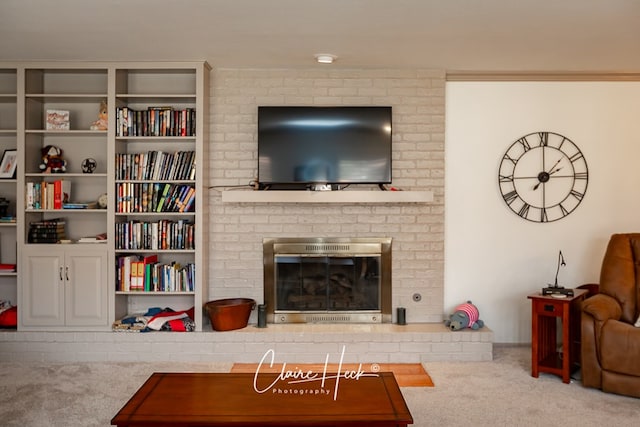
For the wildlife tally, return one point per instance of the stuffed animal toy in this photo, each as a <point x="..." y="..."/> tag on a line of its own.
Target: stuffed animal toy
<point x="52" y="160"/>
<point x="465" y="316"/>
<point x="103" y="118"/>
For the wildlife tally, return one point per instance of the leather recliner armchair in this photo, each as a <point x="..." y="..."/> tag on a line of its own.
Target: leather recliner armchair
<point x="610" y="344"/>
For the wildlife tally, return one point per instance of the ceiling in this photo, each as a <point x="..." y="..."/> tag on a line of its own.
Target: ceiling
<point x="472" y="35"/>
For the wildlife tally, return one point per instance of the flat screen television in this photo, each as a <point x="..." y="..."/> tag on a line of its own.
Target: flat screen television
<point x="303" y="146"/>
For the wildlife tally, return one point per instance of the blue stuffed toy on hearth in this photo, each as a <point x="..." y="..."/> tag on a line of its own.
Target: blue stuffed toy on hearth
<point x="464" y="316"/>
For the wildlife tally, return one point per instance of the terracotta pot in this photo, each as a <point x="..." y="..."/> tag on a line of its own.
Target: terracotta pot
<point x="229" y="314"/>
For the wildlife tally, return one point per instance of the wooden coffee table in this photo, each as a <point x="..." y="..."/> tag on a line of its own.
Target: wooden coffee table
<point x="218" y="399"/>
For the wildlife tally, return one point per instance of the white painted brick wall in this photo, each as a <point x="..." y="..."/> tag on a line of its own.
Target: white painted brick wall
<point x="237" y="230"/>
<point x="292" y="343"/>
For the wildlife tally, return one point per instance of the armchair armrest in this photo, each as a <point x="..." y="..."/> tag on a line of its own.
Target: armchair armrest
<point x="602" y="307"/>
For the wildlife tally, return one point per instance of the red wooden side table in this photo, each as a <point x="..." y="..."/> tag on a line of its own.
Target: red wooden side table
<point x="545" y="311"/>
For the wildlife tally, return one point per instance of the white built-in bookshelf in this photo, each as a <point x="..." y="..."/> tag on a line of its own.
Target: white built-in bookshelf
<point x="78" y="283"/>
<point x="161" y="145"/>
<point x="8" y="183"/>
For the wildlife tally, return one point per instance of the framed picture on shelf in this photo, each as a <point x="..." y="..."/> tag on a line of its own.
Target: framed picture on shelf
<point x="57" y="120"/>
<point x="8" y="164"/>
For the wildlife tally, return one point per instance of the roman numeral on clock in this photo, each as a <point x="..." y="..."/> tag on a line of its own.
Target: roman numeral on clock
<point x="544" y="138"/>
<point x="581" y="175"/>
<point x="507" y="157"/>
<point x="524" y="210"/>
<point x="575" y="157"/>
<point x="578" y="195"/>
<point x="525" y="144"/>
<point x="510" y="197"/>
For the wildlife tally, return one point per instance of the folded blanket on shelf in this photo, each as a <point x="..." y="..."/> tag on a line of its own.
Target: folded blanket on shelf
<point x="157" y="319"/>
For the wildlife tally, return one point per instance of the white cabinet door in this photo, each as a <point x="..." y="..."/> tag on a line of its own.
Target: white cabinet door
<point x="65" y="287"/>
<point x="43" y="288"/>
<point x="86" y="287"/>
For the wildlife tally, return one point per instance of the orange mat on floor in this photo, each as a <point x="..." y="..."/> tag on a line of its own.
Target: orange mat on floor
<point x="407" y="374"/>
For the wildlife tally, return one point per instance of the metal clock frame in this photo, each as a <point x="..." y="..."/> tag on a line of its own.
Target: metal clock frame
<point x="543" y="176"/>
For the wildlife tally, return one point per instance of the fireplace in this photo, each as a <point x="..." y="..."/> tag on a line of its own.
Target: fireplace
<point x="327" y="280"/>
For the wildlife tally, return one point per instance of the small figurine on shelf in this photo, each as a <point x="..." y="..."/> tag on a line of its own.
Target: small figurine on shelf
<point x="103" y="118"/>
<point x="52" y="160"/>
<point x="89" y="165"/>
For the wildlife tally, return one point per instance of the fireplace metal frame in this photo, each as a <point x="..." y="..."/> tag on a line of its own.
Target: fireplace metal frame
<point x="330" y="246"/>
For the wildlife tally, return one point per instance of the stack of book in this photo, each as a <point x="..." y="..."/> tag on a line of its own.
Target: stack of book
<point x="80" y="205"/>
<point x="98" y="238"/>
<point x="47" y="231"/>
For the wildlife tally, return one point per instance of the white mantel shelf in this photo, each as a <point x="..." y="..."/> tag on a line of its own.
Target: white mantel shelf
<point x="344" y="196"/>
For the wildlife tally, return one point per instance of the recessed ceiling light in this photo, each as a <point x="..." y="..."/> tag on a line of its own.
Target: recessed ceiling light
<point x="325" y="58"/>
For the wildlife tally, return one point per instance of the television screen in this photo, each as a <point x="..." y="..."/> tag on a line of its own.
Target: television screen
<point x="324" y="145"/>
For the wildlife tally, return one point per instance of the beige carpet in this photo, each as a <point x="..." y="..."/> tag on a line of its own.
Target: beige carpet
<point x="407" y="374"/>
<point x="496" y="393"/>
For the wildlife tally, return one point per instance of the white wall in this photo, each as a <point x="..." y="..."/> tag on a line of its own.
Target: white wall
<point x="492" y="256"/>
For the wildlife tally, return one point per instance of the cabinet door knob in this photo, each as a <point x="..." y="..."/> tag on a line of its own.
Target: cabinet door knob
<point x="60" y="271"/>
<point x="66" y="272"/>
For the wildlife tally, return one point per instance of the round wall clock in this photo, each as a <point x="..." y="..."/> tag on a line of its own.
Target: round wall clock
<point x="543" y="177"/>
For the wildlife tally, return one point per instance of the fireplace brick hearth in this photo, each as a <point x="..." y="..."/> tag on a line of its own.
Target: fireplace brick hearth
<point x="292" y="343"/>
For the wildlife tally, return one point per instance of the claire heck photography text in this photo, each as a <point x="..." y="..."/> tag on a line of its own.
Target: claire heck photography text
<point x="297" y="381"/>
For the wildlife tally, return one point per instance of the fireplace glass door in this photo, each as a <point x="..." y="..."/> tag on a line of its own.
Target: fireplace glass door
<point x="327" y="283"/>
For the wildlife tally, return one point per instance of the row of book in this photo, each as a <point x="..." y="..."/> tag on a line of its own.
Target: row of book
<point x="155" y="121"/>
<point x="136" y="273"/>
<point x="47" y="231"/>
<point x="146" y="197"/>
<point x="163" y="234"/>
<point x="156" y="165"/>
<point x="47" y="195"/>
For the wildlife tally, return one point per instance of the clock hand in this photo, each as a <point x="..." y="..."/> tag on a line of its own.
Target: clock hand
<point x="544" y="176"/>
<point x="556" y="164"/>
<point x="556" y="170"/>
